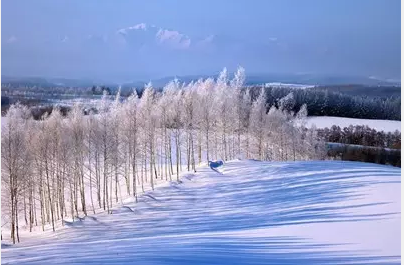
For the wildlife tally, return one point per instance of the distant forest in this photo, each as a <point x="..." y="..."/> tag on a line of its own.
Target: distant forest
<point x="361" y="135"/>
<point x="325" y="102"/>
<point x="351" y="101"/>
<point x="362" y="90"/>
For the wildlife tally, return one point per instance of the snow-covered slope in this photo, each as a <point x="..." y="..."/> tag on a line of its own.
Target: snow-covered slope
<point x="378" y="125"/>
<point x="246" y="212"/>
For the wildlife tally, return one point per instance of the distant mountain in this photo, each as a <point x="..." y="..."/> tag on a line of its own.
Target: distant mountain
<point x="251" y="79"/>
<point x="313" y="79"/>
<point x="50" y="82"/>
<point x="301" y="79"/>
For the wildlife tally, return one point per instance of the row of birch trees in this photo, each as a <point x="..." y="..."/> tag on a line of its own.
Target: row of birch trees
<point x="59" y="168"/>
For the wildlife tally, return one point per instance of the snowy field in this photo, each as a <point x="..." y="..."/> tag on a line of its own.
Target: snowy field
<point x="278" y="84"/>
<point x="328" y="121"/>
<point x="246" y="212"/>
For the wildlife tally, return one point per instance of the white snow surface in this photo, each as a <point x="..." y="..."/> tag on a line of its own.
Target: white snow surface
<point x="328" y="121"/>
<point x="279" y="84"/>
<point x="245" y="212"/>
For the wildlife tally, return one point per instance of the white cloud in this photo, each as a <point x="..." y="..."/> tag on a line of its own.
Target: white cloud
<point x="99" y="38"/>
<point x="173" y="38"/>
<point x="12" y="39"/>
<point x="205" y="43"/>
<point x="209" y="39"/>
<point x="65" y="39"/>
<point x="150" y="34"/>
<point x="273" y="39"/>
<point x="140" y="26"/>
<point x="122" y="31"/>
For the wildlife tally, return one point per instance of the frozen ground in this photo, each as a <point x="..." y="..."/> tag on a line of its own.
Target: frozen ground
<point x="378" y="125"/>
<point x="245" y="212"/>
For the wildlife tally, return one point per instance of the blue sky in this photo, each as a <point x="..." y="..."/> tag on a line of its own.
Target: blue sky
<point x="129" y="40"/>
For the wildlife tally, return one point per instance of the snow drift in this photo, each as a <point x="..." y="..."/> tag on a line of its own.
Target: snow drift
<point x="322" y="212"/>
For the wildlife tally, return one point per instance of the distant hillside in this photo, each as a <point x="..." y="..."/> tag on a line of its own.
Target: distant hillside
<point x="364" y="90"/>
<point x="259" y="79"/>
<point x="49" y="82"/>
<point x="343" y="83"/>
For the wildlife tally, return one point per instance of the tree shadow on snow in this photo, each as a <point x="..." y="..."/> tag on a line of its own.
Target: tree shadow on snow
<point x="190" y="224"/>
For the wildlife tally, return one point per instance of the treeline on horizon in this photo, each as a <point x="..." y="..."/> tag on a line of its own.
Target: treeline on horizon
<point x="323" y="102"/>
<point x="361" y="153"/>
<point x="361" y="135"/>
<point x="350" y="101"/>
<point x="383" y="91"/>
<point x="354" y="101"/>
